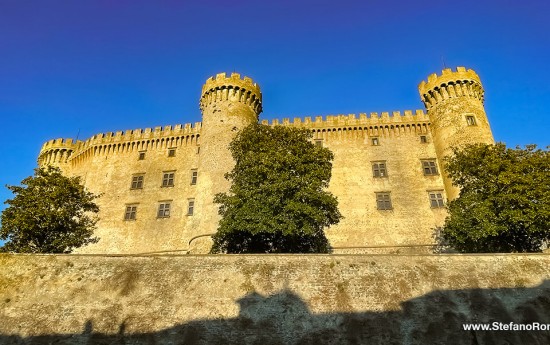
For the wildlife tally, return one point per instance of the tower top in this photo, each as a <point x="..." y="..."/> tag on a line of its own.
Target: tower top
<point x="448" y="76"/>
<point x="233" y="87"/>
<point x="450" y="85"/>
<point x="234" y="80"/>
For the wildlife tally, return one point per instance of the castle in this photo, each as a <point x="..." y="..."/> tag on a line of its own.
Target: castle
<point x="158" y="184"/>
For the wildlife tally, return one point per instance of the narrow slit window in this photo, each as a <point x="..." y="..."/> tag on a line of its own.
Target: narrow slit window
<point x="191" y="207"/>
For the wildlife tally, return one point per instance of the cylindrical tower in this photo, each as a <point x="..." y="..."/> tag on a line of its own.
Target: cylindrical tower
<point x="228" y="104"/>
<point x="454" y="101"/>
<point x="57" y="152"/>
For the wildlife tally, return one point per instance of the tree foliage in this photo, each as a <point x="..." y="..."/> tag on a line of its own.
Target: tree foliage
<point x="50" y="213"/>
<point x="278" y="200"/>
<point x="504" y="202"/>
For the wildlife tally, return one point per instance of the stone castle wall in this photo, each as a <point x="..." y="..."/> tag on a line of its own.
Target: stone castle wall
<point x="271" y="299"/>
<point x="401" y="148"/>
<point x="107" y="163"/>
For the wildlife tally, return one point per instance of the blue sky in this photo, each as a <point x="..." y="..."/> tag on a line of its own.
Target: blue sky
<point x="71" y="68"/>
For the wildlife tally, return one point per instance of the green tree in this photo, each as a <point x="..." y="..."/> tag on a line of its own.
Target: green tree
<point x="278" y="201"/>
<point x="504" y="202"/>
<point x="50" y="213"/>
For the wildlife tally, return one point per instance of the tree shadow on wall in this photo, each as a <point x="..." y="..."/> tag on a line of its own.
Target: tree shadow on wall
<point x="284" y="318"/>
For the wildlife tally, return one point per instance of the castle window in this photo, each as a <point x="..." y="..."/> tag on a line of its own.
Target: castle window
<point x="379" y="169"/>
<point x="141" y="156"/>
<point x="137" y="182"/>
<point x="383" y="201"/>
<point x="194" y="175"/>
<point x="319" y="142"/>
<point x="198" y="149"/>
<point x="429" y="167"/>
<point x="423" y="139"/>
<point x="164" y="210"/>
<point x="375" y="142"/>
<point x="436" y="199"/>
<point x="130" y="213"/>
<point x="168" y="179"/>
<point x="471" y="120"/>
<point x="171" y="152"/>
<point x="190" y="207"/>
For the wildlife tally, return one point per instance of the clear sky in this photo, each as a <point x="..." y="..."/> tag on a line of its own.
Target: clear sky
<point x="84" y="67"/>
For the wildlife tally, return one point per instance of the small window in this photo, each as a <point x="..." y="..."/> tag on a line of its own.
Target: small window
<point x="375" y="142"/>
<point x="436" y="199"/>
<point x="423" y="139"/>
<point x="171" y="152"/>
<point x="194" y="175"/>
<point x="429" y="167"/>
<point x="137" y="182"/>
<point x="379" y="169"/>
<point x="471" y="120"/>
<point x="168" y="179"/>
<point x="198" y="149"/>
<point x="141" y="156"/>
<point x="164" y="210"/>
<point x="191" y="207"/>
<point x="383" y="201"/>
<point x="319" y="142"/>
<point x="130" y="213"/>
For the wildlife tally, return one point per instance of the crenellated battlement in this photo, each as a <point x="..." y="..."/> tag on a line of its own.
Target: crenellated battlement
<point x="232" y="88"/>
<point x="57" y="151"/>
<point x="60" y="150"/>
<point x="447" y="76"/>
<point x="234" y="79"/>
<point x="60" y="144"/>
<point x="364" y="119"/>
<point x="141" y="134"/>
<point x="450" y="84"/>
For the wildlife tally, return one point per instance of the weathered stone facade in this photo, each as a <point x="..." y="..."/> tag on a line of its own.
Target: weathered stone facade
<point x="272" y="299"/>
<point x="386" y="174"/>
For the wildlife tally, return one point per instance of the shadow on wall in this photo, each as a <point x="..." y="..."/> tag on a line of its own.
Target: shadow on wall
<point x="284" y="318"/>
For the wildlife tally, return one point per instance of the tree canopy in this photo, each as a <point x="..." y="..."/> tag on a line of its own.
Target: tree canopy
<point x="50" y="213"/>
<point x="504" y="202"/>
<point x="278" y="200"/>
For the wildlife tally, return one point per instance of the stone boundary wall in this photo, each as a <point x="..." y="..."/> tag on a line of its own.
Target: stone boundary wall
<point x="271" y="299"/>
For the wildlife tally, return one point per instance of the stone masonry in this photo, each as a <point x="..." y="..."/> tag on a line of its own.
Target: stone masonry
<point x="272" y="299"/>
<point x="158" y="184"/>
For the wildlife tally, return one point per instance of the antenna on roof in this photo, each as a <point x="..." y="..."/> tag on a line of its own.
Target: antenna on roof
<point x="443" y="62"/>
<point x="77" y="135"/>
